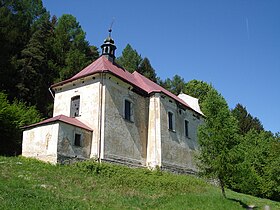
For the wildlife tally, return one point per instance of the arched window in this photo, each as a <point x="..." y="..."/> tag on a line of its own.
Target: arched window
<point x="75" y="106"/>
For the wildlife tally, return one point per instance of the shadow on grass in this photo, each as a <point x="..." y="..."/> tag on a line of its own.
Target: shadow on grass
<point x="244" y="205"/>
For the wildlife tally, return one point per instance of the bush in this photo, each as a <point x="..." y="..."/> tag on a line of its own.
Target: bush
<point x="12" y="118"/>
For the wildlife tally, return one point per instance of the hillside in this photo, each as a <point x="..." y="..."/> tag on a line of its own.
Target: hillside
<point x="30" y="184"/>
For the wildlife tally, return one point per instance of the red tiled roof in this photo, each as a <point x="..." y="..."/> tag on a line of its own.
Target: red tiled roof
<point x="62" y="118"/>
<point x="102" y="64"/>
<point x="150" y="86"/>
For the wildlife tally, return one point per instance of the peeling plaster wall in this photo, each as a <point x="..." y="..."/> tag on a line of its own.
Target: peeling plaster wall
<point x="52" y="141"/>
<point x="124" y="140"/>
<point x="41" y="142"/>
<point x="66" y="138"/>
<point x="89" y="90"/>
<point x="177" y="149"/>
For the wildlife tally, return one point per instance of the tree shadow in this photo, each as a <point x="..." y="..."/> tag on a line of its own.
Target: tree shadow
<point x="244" y="205"/>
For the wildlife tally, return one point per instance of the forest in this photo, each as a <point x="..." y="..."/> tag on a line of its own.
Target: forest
<point x="38" y="50"/>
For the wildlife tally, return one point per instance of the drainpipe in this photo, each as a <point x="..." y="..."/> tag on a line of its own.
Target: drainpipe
<point x="100" y="116"/>
<point x="51" y="92"/>
<point x="155" y="120"/>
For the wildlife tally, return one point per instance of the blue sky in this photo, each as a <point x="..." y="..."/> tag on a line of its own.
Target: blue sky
<point x="232" y="44"/>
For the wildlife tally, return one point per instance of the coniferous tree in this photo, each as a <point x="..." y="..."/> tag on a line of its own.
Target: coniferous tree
<point x="145" y="68"/>
<point x="130" y="59"/>
<point x="72" y="51"/>
<point x="16" y="19"/>
<point x="246" y="121"/>
<point x="36" y="69"/>
<point x="92" y="53"/>
<point x="176" y="85"/>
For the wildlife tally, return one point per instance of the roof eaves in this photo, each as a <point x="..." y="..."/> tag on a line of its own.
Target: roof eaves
<point x="80" y="126"/>
<point x="76" y="78"/>
<point x="58" y="118"/>
<point x="178" y="100"/>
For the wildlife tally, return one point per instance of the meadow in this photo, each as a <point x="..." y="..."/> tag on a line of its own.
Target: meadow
<point x="31" y="184"/>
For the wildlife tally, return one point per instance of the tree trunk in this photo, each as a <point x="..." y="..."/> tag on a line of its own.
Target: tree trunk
<point x="222" y="186"/>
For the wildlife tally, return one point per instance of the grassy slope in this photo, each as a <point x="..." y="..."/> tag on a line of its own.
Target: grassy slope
<point x="30" y="184"/>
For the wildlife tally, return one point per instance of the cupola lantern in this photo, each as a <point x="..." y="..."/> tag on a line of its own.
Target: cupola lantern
<point x="108" y="47"/>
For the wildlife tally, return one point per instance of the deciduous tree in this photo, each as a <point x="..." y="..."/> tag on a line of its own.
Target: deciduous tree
<point x="197" y="89"/>
<point x="12" y="117"/>
<point x="217" y="138"/>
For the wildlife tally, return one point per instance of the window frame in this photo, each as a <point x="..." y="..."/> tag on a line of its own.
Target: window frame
<point x="171" y="121"/>
<point x="186" y="128"/>
<point x="79" y="144"/>
<point x="128" y="116"/>
<point x="75" y="111"/>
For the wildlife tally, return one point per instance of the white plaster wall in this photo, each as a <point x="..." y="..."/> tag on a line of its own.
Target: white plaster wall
<point x="177" y="149"/>
<point x="41" y="142"/>
<point x="124" y="140"/>
<point x="66" y="137"/>
<point x="89" y="90"/>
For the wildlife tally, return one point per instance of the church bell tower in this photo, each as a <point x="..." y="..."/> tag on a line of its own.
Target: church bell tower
<point x="108" y="47"/>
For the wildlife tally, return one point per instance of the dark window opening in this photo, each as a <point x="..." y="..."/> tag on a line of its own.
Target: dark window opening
<point x="127" y="110"/>
<point x="186" y="128"/>
<point x="75" y="106"/>
<point x="170" y="121"/>
<point x="77" y="141"/>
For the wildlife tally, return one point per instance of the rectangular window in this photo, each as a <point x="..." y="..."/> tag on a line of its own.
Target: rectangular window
<point x="170" y="121"/>
<point x="186" y="128"/>
<point x="75" y="106"/>
<point x="77" y="141"/>
<point x="127" y="110"/>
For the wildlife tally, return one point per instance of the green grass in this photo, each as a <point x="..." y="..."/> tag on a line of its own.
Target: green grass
<point x="30" y="184"/>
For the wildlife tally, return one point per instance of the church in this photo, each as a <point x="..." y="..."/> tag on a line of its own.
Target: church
<point x="109" y="114"/>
